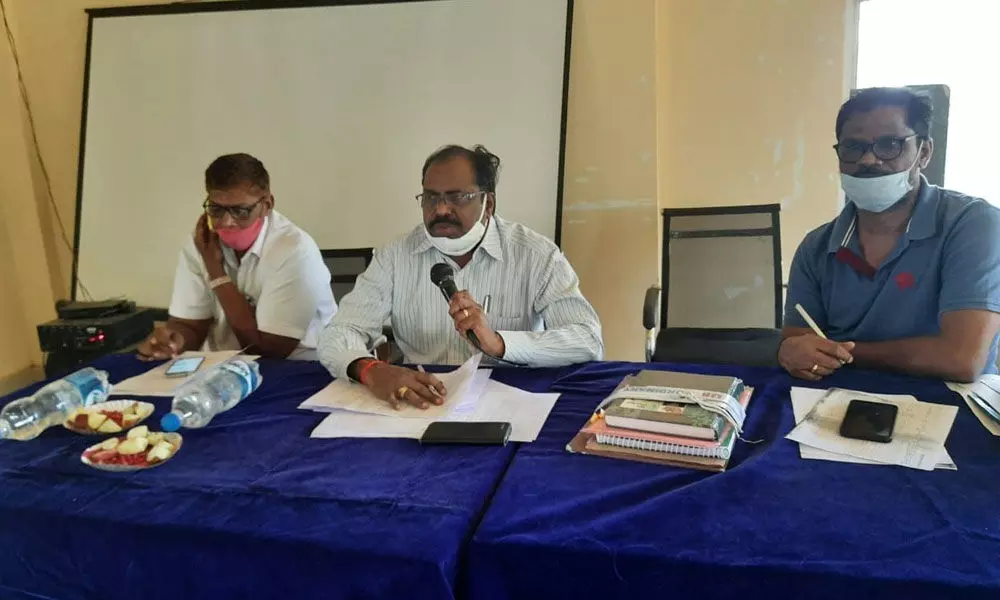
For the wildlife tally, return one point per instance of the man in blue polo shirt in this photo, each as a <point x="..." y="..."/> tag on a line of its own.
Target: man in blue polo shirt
<point x="907" y="277"/>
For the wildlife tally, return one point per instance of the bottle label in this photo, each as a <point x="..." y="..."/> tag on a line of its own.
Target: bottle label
<point x="91" y="386"/>
<point x="248" y="377"/>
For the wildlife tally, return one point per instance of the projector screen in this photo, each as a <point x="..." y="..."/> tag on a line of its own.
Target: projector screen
<point x="341" y="103"/>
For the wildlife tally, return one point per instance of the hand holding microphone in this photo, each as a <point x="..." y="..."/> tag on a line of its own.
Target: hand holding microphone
<point x="470" y="319"/>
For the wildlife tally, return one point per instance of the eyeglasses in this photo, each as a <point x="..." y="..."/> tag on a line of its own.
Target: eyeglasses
<point x="239" y="213"/>
<point x="454" y="199"/>
<point x="887" y="147"/>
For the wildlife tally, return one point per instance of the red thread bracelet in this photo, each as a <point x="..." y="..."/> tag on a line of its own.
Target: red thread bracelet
<point x="364" y="369"/>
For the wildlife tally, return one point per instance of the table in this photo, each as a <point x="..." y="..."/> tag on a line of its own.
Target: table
<point x="773" y="526"/>
<point x="252" y="508"/>
<point x="249" y="508"/>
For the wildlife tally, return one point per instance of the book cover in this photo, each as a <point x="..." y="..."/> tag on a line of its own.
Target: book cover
<point x="691" y="415"/>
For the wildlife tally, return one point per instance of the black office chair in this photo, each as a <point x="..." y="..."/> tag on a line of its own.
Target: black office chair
<point x="722" y="274"/>
<point x="345" y="266"/>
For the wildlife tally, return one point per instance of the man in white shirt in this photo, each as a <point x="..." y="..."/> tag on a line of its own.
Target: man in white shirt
<point x="537" y="317"/>
<point x="248" y="278"/>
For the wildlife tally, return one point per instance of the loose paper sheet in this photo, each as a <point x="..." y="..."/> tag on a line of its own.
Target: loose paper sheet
<point x="803" y="401"/>
<point x="156" y="383"/>
<point x="986" y="389"/>
<point x="526" y="412"/>
<point x="344" y="395"/>
<point x="918" y="439"/>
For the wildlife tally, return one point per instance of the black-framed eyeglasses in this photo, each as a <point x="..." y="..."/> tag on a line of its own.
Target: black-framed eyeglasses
<point x="238" y="213"/>
<point x="887" y="147"/>
<point x="453" y="199"/>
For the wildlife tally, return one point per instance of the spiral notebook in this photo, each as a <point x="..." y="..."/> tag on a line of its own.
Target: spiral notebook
<point x="599" y="439"/>
<point x="658" y="442"/>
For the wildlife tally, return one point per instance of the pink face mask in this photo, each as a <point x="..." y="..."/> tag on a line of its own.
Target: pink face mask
<point x="241" y="239"/>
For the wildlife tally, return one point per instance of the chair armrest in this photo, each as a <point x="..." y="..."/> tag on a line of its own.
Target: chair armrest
<point x="651" y="308"/>
<point x="651" y="319"/>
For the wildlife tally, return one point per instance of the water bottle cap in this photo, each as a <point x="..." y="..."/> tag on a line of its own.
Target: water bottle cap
<point x="170" y="422"/>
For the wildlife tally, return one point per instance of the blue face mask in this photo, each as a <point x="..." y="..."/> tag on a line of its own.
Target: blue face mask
<point x="877" y="194"/>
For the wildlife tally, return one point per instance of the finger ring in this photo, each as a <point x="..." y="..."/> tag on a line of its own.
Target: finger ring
<point x="814" y="369"/>
<point x="402" y="392"/>
<point x="465" y="312"/>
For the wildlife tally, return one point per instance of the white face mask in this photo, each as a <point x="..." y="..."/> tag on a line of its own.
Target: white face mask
<point x="460" y="245"/>
<point x="877" y="194"/>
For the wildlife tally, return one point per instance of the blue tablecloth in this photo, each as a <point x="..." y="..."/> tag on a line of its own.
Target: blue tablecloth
<point x="773" y="526"/>
<point x="249" y="508"/>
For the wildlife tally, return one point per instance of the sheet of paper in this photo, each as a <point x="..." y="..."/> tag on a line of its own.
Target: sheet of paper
<point x="920" y="432"/>
<point x="344" y="395"/>
<point x="986" y="389"/>
<point x="155" y="382"/>
<point x="803" y="401"/>
<point x="526" y="412"/>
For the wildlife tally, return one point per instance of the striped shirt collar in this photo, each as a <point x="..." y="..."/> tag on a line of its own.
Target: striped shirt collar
<point x="491" y="243"/>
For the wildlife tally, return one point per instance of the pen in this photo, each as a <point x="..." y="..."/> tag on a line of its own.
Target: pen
<point x="810" y="321"/>
<point x="486" y="304"/>
<point x="433" y="389"/>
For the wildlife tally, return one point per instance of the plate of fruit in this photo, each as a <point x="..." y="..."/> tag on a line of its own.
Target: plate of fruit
<point x="114" y="416"/>
<point x="139" y="449"/>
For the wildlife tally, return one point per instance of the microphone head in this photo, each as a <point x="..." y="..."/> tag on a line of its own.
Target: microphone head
<point x="441" y="272"/>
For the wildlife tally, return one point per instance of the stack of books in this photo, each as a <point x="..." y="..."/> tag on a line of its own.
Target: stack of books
<point x="669" y="418"/>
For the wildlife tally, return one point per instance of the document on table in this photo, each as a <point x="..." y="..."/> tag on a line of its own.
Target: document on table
<point x="918" y="439"/>
<point x="983" y="399"/>
<point x="346" y="396"/>
<point x="803" y="401"/>
<point x="156" y="383"/>
<point x="525" y="411"/>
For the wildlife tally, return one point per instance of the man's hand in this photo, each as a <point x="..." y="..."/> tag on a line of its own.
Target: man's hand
<point x="208" y="245"/>
<point x="811" y="357"/>
<point x="469" y="316"/>
<point x="399" y="384"/>
<point x="162" y="344"/>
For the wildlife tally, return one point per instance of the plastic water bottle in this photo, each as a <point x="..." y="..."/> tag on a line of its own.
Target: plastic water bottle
<point x="216" y="391"/>
<point x="26" y="418"/>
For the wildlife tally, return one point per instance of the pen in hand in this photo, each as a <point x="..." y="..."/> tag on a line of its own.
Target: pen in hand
<point x="432" y="388"/>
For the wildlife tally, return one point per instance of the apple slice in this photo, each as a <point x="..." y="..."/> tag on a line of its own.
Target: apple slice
<point x="131" y="409"/>
<point x="109" y="444"/>
<point x="133" y="445"/>
<point x="81" y="421"/>
<point x="109" y="426"/>
<point x="95" y="420"/>
<point x="155" y="437"/>
<point x="160" y="452"/>
<point x="139" y="432"/>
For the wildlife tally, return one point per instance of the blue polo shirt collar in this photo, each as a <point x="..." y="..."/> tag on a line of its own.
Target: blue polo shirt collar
<point x="923" y="224"/>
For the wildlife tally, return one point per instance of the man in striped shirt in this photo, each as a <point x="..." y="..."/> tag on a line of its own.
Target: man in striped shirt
<point x="537" y="317"/>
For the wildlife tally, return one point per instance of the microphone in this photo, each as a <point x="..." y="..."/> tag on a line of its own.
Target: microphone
<point x="443" y="276"/>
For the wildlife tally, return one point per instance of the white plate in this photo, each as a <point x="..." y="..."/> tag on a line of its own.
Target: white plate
<point x="173" y="438"/>
<point x="145" y="410"/>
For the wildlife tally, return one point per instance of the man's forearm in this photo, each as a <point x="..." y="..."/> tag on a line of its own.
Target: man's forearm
<point x="931" y="356"/>
<point x="239" y="315"/>
<point x="554" y="347"/>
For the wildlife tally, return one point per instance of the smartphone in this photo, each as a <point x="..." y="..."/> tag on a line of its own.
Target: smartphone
<point x="872" y="421"/>
<point x="463" y="433"/>
<point x="182" y="367"/>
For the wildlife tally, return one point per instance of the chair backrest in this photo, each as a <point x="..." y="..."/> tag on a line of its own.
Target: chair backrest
<point x="722" y="267"/>
<point x="345" y="265"/>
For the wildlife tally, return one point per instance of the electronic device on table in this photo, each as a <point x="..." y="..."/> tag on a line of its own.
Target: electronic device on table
<point x="85" y="331"/>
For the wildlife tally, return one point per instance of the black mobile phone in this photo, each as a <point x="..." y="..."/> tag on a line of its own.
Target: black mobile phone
<point x="462" y="433"/>
<point x="872" y="421"/>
